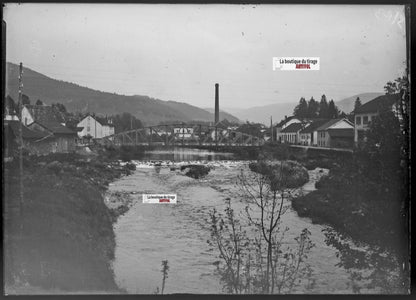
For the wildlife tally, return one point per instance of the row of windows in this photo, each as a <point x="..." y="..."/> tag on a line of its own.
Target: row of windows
<point x="366" y="120"/>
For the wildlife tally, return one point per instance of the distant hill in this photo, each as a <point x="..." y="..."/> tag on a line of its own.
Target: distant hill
<point x="77" y="98"/>
<point x="261" y="114"/>
<point x="347" y="104"/>
<point x="224" y="115"/>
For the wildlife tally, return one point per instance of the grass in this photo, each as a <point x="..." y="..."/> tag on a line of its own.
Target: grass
<point x="67" y="240"/>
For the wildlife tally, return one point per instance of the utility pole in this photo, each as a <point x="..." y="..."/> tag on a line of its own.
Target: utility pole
<point x="21" y="200"/>
<point x="271" y="128"/>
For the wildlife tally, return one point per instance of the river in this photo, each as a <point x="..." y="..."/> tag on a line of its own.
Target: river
<point x="149" y="233"/>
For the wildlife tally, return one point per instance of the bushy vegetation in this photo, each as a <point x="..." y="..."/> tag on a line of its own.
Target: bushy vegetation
<point x="289" y="174"/>
<point x="195" y="171"/>
<point x="62" y="236"/>
<point x="366" y="198"/>
<point x="257" y="262"/>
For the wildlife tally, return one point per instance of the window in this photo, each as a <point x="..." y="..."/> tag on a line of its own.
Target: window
<point x="88" y="128"/>
<point x="365" y="120"/>
<point x="358" y="120"/>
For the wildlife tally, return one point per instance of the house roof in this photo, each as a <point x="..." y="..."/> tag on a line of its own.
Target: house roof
<point x="378" y="104"/>
<point x="315" y="124"/>
<point x="341" y="132"/>
<point x="331" y="122"/>
<point x="284" y="121"/>
<point x="294" y="127"/>
<point x="44" y="113"/>
<point x="55" y="127"/>
<point x="10" y="106"/>
<point x="101" y="120"/>
<point x="26" y="132"/>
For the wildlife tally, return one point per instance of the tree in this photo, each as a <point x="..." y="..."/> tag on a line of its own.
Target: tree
<point x="39" y="102"/>
<point x="259" y="263"/>
<point x="357" y="104"/>
<point x="25" y="100"/>
<point x="59" y="107"/>
<point x="323" y="108"/>
<point x="125" y="121"/>
<point x="313" y="108"/>
<point x="380" y="170"/>
<point x="333" y="111"/>
<point x="254" y="129"/>
<point x="301" y="110"/>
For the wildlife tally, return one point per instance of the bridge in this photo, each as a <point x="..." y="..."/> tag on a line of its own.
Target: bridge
<point x="183" y="135"/>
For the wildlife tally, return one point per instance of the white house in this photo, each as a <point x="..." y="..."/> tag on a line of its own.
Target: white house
<point x="96" y="128"/>
<point x="336" y="133"/>
<point x="279" y="136"/>
<point x="368" y="111"/>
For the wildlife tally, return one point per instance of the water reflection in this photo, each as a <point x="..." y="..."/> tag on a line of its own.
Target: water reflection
<point x="183" y="154"/>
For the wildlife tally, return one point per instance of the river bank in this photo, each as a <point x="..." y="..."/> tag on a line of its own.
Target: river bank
<point x="61" y="240"/>
<point x="361" y="209"/>
<point x="147" y="234"/>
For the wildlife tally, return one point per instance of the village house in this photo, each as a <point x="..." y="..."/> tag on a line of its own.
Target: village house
<point x="34" y="142"/>
<point x="64" y="139"/>
<point x="336" y="133"/>
<point x="40" y="114"/>
<point x="277" y="136"/>
<point x="95" y="127"/>
<point x="309" y="136"/>
<point x="290" y="134"/>
<point x="368" y="111"/>
<point x="50" y="121"/>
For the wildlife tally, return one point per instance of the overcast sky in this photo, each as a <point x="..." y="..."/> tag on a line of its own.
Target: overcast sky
<point x="178" y="52"/>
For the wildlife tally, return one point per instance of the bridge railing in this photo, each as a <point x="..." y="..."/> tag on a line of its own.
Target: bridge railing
<point x="183" y="134"/>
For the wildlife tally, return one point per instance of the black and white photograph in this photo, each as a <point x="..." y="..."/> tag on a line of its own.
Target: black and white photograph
<point x="222" y="149"/>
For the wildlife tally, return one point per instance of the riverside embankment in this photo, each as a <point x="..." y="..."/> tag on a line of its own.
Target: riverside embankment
<point x="61" y="239"/>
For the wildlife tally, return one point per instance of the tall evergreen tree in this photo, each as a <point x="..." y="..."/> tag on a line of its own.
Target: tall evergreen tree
<point x="313" y="108"/>
<point x="333" y="111"/>
<point x="357" y="104"/>
<point x="323" y="107"/>
<point x="301" y="110"/>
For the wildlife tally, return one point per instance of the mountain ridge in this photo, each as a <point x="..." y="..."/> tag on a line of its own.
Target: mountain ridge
<point x="149" y="110"/>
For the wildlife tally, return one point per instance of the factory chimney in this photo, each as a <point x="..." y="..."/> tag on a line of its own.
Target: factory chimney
<point x="217" y="104"/>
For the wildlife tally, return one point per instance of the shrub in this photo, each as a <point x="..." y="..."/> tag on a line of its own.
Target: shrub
<point x="196" y="171"/>
<point x="284" y="174"/>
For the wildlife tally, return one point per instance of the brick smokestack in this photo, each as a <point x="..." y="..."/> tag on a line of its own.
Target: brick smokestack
<point x="217" y="104"/>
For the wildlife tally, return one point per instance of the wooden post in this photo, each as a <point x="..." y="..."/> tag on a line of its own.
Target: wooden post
<point x="200" y="134"/>
<point x="166" y="138"/>
<point x="183" y="133"/>
<point x="21" y="200"/>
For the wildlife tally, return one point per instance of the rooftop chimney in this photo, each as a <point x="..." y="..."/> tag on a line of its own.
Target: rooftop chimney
<point x="217" y="104"/>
